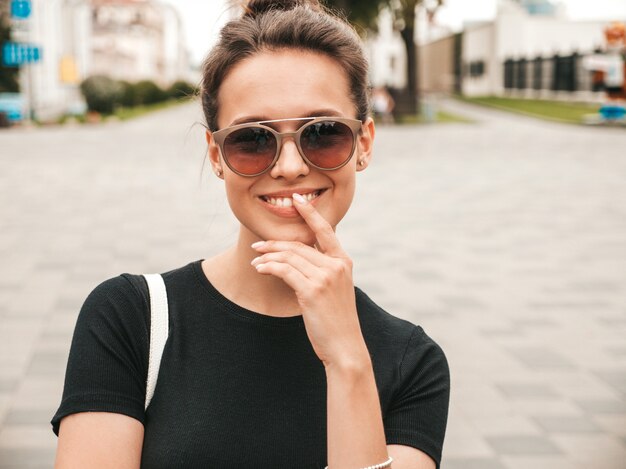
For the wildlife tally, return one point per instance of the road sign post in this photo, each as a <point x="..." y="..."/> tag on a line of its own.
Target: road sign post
<point x="21" y="54"/>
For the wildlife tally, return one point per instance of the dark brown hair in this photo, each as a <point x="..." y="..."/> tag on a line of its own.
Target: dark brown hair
<point x="268" y="25"/>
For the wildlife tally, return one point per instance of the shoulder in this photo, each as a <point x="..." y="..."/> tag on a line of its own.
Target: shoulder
<point x="124" y="297"/>
<point x="399" y="341"/>
<point x="377" y="322"/>
<point x="117" y="306"/>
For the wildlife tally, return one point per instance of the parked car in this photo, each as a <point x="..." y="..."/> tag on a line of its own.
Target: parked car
<point x="12" y="105"/>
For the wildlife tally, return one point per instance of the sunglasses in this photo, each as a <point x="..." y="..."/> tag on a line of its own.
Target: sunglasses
<point x="251" y="149"/>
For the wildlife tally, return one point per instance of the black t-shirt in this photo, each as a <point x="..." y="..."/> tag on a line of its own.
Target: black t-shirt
<point x="238" y="389"/>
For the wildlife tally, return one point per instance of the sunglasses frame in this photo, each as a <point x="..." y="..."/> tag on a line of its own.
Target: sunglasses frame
<point x="354" y="125"/>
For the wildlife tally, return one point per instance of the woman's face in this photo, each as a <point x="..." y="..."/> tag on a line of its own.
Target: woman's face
<point x="281" y="85"/>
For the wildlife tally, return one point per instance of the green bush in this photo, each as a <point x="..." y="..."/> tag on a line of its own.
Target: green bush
<point x="128" y="96"/>
<point x="101" y="93"/>
<point x="147" y="92"/>
<point x="181" y="89"/>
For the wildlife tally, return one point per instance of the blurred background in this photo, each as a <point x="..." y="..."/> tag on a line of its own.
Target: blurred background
<point x="494" y="213"/>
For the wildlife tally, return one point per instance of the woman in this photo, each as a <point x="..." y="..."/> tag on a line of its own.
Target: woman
<point x="274" y="359"/>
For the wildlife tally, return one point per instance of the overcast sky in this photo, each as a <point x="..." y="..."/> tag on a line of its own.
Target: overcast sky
<point x="202" y="19"/>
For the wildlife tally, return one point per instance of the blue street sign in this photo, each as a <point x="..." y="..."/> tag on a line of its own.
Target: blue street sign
<point x="15" y="54"/>
<point x="20" y="9"/>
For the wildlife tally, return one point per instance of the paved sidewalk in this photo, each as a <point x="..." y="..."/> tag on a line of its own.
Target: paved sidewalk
<point x="505" y="239"/>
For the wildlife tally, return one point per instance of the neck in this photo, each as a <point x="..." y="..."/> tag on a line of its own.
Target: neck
<point x="234" y="277"/>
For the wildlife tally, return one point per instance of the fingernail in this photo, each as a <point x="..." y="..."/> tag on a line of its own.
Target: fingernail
<point x="255" y="260"/>
<point x="258" y="244"/>
<point x="260" y="267"/>
<point x="299" y="199"/>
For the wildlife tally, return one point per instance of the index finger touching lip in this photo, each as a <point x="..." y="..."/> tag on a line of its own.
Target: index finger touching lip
<point x="324" y="233"/>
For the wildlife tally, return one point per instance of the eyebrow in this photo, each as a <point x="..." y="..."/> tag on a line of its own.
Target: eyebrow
<point x="316" y="113"/>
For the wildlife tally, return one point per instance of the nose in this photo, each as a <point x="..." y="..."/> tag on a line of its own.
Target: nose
<point x="290" y="164"/>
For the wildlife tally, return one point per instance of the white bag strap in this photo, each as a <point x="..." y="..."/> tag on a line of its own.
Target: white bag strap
<point x="159" y="329"/>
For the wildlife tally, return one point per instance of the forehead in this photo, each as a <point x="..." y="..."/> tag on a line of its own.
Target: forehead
<point x="284" y="84"/>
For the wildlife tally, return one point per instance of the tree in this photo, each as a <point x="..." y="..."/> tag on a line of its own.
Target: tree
<point x="361" y="13"/>
<point x="364" y="14"/>
<point x="8" y="75"/>
<point x="404" y="14"/>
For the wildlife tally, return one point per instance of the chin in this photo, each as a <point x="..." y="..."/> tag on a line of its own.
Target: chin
<point x="304" y="236"/>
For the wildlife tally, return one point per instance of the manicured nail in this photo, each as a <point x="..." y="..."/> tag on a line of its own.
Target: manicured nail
<point x="299" y="199"/>
<point x="258" y="244"/>
<point x="259" y="267"/>
<point x="255" y="260"/>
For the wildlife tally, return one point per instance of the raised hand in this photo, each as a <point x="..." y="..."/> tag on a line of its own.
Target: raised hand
<point x="322" y="281"/>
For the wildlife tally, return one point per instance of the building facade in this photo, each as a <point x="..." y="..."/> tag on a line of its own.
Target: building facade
<point x="137" y="40"/>
<point x="530" y="49"/>
<point x="61" y="29"/>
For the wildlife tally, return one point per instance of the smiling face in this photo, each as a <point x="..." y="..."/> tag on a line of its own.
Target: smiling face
<point x="287" y="84"/>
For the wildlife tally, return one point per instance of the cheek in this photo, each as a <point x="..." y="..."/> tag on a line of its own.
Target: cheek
<point x="344" y="194"/>
<point x="237" y="194"/>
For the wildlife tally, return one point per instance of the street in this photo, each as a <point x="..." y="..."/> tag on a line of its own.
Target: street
<point x="505" y="239"/>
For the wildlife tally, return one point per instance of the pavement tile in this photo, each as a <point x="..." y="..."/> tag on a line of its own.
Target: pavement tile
<point x="27" y="417"/>
<point x="541" y="357"/>
<point x="472" y="463"/>
<point x="613" y="424"/>
<point x="521" y="390"/>
<point x="615" y="378"/>
<point x="542" y="462"/>
<point x="616" y="350"/>
<point x="503" y="425"/>
<point x="598" y="450"/>
<point x="522" y="445"/>
<point x="27" y="436"/>
<point x="26" y="458"/>
<point x="603" y="406"/>
<point x="566" y="424"/>
<point x="48" y="364"/>
<point x="7" y="385"/>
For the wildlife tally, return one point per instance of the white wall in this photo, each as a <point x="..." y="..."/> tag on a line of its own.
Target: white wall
<point x="478" y="45"/>
<point x="386" y="54"/>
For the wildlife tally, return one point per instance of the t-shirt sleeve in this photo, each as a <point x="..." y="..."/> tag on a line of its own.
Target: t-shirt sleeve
<point x="419" y="410"/>
<point x="108" y="360"/>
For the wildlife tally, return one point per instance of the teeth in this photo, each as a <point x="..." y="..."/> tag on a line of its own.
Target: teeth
<point x="287" y="201"/>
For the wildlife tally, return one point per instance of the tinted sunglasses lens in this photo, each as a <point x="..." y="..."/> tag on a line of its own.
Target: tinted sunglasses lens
<point x="327" y="144"/>
<point x="250" y="150"/>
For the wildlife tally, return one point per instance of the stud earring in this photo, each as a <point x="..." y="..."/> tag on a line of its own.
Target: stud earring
<point x="218" y="173"/>
<point x="361" y="163"/>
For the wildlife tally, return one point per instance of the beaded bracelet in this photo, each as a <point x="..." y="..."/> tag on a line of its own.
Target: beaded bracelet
<point x="383" y="465"/>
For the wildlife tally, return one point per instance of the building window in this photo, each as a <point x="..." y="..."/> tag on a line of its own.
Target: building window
<point x="521" y="74"/>
<point x="565" y="73"/>
<point x="477" y="68"/>
<point x="508" y="74"/>
<point x="537" y="73"/>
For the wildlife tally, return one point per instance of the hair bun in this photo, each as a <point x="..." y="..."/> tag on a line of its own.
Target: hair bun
<point x="255" y="8"/>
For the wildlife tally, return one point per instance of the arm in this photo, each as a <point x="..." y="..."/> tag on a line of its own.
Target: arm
<point x="355" y="427"/>
<point x="99" y="440"/>
<point x="99" y="421"/>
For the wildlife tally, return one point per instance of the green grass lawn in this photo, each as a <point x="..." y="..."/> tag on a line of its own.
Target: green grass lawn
<point x="126" y="113"/>
<point x="441" y="117"/>
<point x="568" y="112"/>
